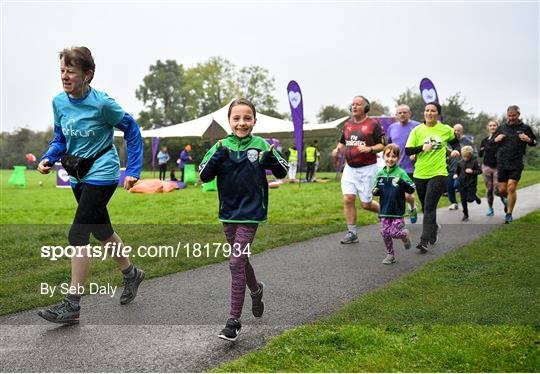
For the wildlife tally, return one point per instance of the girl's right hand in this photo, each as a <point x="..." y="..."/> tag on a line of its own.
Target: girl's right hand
<point x="220" y="143"/>
<point x="222" y="151"/>
<point x="44" y="167"/>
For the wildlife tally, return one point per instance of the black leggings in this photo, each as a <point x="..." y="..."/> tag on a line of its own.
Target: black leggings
<point x="468" y="195"/>
<point x="429" y="192"/>
<point x="310" y="170"/>
<point x="91" y="215"/>
<point x="162" y="171"/>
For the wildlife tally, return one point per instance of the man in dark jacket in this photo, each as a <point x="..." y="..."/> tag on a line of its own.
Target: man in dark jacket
<point x="512" y="139"/>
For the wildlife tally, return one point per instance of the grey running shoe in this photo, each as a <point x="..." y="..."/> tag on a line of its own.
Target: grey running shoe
<point x="349" y="238"/>
<point x="231" y="330"/>
<point x="407" y="239"/>
<point x="257" y="305"/>
<point x="61" y="313"/>
<point x="389" y="259"/>
<point x="131" y="286"/>
<point x="453" y="207"/>
<point x="508" y="218"/>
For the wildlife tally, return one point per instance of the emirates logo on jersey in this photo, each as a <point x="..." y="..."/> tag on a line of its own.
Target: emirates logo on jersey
<point x="354" y="141"/>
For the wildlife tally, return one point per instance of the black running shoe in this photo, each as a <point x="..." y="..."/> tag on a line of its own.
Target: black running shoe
<point x="231" y="330"/>
<point x="131" y="286"/>
<point x="422" y="247"/>
<point x="61" y="313"/>
<point x="257" y="305"/>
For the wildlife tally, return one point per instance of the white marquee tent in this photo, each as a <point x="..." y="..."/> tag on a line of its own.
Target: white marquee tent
<point x="215" y="125"/>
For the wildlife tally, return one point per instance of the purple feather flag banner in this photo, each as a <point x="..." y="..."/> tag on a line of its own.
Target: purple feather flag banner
<point x="297" y="111"/>
<point x="428" y="91"/>
<point x="155" y="145"/>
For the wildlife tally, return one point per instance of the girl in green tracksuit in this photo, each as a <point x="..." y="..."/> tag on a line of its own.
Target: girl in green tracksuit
<point x="239" y="163"/>
<point x="391" y="184"/>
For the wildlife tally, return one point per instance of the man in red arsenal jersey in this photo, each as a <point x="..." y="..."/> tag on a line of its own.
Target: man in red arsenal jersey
<point x="362" y="138"/>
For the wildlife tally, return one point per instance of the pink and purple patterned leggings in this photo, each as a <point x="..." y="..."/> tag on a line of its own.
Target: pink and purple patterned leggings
<point x="239" y="235"/>
<point x="392" y="228"/>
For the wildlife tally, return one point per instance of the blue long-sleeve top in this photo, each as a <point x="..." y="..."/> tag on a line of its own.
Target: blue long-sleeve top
<point x="85" y="126"/>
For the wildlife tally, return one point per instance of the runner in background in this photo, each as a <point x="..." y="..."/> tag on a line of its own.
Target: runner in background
<point x="398" y="133"/>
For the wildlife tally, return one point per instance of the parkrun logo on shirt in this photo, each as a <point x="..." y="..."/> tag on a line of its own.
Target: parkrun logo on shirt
<point x="354" y="142"/>
<point x="70" y="131"/>
<point x="435" y="141"/>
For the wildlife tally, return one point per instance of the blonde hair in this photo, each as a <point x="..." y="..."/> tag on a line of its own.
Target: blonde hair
<point x="467" y="150"/>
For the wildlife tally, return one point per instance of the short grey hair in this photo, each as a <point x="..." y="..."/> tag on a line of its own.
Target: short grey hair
<point x="513" y="108"/>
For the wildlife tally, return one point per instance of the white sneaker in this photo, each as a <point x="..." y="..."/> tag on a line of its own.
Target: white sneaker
<point x="389" y="259"/>
<point x="453" y="207"/>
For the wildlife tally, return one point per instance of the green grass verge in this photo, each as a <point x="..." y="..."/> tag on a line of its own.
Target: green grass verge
<point x="314" y="203"/>
<point x="474" y="310"/>
<point x="35" y="216"/>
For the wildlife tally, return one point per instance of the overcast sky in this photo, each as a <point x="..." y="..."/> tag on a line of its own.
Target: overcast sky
<point x="334" y="50"/>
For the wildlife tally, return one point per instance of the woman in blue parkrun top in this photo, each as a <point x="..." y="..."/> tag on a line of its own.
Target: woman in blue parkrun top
<point x="84" y="122"/>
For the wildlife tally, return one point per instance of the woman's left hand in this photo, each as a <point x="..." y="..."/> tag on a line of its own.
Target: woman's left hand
<point x="129" y="182"/>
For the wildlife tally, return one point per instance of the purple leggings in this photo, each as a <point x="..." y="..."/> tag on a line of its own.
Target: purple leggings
<point x="239" y="235"/>
<point x="392" y="228"/>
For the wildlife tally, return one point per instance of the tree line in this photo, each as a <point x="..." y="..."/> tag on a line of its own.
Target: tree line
<point x="172" y="93"/>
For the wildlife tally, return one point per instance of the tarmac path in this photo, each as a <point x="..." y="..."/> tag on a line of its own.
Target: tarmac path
<point x="173" y="323"/>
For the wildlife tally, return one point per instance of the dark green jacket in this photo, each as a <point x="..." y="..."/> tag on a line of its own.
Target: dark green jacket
<point x="391" y="187"/>
<point x="240" y="167"/>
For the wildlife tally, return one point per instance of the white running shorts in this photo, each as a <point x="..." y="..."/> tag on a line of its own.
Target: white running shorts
<point x="359" y="181"/>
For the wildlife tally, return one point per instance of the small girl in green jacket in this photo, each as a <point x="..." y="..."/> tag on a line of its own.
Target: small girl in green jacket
<point x="391" y="184"/>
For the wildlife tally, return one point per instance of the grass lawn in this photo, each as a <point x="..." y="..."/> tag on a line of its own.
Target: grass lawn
<point x="35" y="216"/>
<point x="474" y="310"/>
